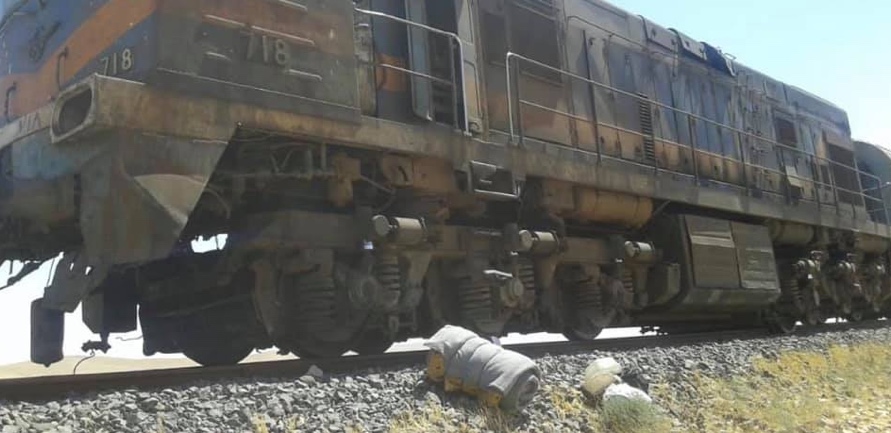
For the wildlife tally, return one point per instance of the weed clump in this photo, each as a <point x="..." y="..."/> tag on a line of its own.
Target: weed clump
<point x="620" y="415"/>
<point x="798" y="391"/>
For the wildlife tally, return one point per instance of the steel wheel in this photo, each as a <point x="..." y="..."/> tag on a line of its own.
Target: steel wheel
<point x="372" y="342"/>
<point x="780" y="323"/>
<point x="213" y="355"/>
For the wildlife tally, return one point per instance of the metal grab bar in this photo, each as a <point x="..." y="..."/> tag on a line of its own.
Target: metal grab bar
<point x="511" y="55"/>
<point x="455" y="40"/>
<point x="516" y="132"/>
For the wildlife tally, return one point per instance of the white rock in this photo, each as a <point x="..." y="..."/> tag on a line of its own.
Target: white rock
<point x="595" y="385"/>
<point x="625" y="391"/>
<point x="604" y="366"/>
<point x="600" y="374"/>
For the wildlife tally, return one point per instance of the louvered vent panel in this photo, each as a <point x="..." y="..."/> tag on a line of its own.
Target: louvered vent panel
<point x="646" y="128"/>
<point x="544" y="7"/>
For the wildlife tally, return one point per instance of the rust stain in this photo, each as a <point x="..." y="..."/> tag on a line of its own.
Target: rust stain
<point x="390" y="80"/>
<point x="107" y="25"/>
<point x="321" y="28"/>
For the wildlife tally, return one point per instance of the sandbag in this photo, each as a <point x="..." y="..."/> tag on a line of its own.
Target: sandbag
<point x="468" y="363"/>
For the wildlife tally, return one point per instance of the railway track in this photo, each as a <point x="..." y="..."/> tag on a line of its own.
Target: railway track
<point x="38" y="389"/>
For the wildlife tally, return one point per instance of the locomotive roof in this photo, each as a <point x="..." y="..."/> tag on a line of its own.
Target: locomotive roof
<point x="791" y="94"/>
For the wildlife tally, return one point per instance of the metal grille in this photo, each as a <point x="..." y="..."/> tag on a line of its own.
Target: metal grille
<point x="646" y="127"/>
<point x="544" y="7"/>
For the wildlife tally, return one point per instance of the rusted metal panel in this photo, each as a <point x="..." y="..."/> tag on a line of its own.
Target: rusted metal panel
<point x="138" y="195"/>
<point x="692" y="47"/>
<point x="598" y="72"/>
<point x="661" y="36"/>
<point x="291" y="230"/>
<point x="713" y="253"/>
<point x="297" y="55"/>
<point x="468" y="31"/>
<point x="757" y="265"/>
<point x="126" y="104"/>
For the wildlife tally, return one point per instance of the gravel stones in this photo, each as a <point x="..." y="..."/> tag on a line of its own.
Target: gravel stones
<point x="373" y="401"/>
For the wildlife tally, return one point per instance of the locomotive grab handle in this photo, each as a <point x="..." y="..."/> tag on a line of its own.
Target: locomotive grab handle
<point x="62" y="55"/>
<point x="12" y="89"/>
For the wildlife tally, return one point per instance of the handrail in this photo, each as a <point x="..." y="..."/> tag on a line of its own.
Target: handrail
<point x="461" y="57"/>
<point x="516" y="134"/>
<point x="511" y="55"/>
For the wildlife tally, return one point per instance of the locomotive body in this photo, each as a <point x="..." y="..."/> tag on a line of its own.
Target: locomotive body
<point x="383" y="167"/>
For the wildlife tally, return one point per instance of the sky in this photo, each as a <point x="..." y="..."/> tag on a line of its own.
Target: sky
<point x="836" y="50"/>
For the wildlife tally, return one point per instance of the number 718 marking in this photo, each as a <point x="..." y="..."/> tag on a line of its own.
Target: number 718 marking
<point x="117" y="63"/>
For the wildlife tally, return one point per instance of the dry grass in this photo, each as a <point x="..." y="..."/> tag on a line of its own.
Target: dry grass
<point x="434" y="418"/>
<point x="632" y="416"/>
<point x="566" y="405"/>
<point x="799" y="392"/>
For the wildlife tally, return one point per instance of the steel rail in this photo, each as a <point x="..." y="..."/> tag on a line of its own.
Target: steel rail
<point x="45" y="388"/>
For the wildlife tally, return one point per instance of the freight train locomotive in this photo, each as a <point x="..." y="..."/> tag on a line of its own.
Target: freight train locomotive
<point x="380" y="168"/>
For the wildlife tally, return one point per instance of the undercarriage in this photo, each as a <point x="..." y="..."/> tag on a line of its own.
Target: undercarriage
<point x="331" y="249"/>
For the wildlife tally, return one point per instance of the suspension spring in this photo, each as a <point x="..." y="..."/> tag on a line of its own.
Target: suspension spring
<point x="389" y="276"/>
<point x="475" y="299"/>
<point x="526" y="274"/>
<point x="588" y="296"/>
<point x="628" y="280"/>
<point x="791" y="290"/>
<point x="316" y="302"/>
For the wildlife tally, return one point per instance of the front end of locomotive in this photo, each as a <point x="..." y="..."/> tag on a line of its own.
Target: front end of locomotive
<point x="118" y="113"/>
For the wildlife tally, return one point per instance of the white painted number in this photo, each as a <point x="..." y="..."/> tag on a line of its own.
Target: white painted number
<point x="117" y="63"/>
<point x="268" y="50"/>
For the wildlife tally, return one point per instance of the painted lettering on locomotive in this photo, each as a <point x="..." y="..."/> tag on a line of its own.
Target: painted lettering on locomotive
<point x="384" y="167"/>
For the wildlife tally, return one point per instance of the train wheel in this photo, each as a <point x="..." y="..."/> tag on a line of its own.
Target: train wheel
<point x="318" y="349"/>
<point x="814" y="318"/>
<point x="211" y="353"/>
<point x="323" y="324"/>
<point x="780" y="323"/>
<point x="590" y="306"/>
<point x="588" y="334"/>
<point x="373" y="342"/>
<point x="211" y="345"/>
<point x="855" y="316"/>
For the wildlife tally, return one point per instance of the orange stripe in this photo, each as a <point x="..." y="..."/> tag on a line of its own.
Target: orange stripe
<point x="391" y="80"/>
<point x="111" y="22"/>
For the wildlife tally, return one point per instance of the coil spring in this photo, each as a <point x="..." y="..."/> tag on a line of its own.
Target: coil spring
<point x="388" y="273"/>
<point x="791" y="290"/>
<point x="316" y="302"/>
<point x="475" y="300"/>
<point x="588" y="296"/>
<point x="526" y="274"/>
<point x="628" y="280"/>
<point x="389" y="276"/>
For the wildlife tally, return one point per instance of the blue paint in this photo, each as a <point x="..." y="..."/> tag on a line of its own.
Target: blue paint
<point x="141" y="40"/>
<point x="66" y="16"/>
